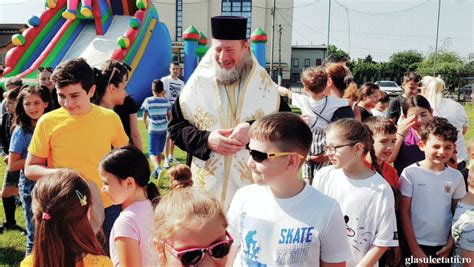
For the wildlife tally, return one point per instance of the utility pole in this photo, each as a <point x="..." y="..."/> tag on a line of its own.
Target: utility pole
<point x="280" y="76"/>
<point x="348" y="28"/>
<point x="437" y="35"/>
<point x="329" y="28"/>
<point x="273" y="39"/>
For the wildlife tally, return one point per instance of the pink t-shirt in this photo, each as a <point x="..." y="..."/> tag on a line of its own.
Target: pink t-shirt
<point x="136" y="222"/>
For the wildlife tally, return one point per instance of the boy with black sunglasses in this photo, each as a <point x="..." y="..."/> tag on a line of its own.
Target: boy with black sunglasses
<point x="280" y="220"/>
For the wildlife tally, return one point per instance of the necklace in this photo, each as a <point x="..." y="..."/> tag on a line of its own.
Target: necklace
<point x="233" y="109"/>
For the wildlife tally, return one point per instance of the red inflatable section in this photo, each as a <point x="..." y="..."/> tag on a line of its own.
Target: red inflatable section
<point x="14" y="55"/>
<point x="132" y="34"/>
<point x="48" y="49"/>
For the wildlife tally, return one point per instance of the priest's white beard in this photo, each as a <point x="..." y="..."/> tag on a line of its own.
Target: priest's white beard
<point x="234" y="74"/>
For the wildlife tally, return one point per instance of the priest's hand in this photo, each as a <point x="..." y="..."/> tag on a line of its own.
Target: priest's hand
<point x="219" y="142"/>
<point x="240" y="133"/>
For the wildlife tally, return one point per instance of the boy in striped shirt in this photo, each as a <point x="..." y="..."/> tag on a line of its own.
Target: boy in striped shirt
<point x="156" y="113"/>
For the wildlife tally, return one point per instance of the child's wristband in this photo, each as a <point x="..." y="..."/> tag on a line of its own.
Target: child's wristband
<point x="401" y="134"/>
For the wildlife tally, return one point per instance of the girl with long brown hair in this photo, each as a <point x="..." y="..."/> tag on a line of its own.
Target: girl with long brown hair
<point x="31" y="104"/>
<point x="341" y="84"/>
<point x="63" y="234"/>
<point x="368" y="95"/>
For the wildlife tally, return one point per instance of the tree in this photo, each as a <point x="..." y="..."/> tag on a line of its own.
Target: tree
<point x="446" y="61"/>
<point x="368" y="59"/>
<point x="404" y="61"/>
<point x="469" y="68"/>
<point x="333" y="50"/>
<point x="448" y="65"/>
<point x="467" y="73"/>
<point x="365" y="70"/>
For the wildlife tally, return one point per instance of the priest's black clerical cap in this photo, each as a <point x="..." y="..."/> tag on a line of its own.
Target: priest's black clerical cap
<point x="229" y="27"/>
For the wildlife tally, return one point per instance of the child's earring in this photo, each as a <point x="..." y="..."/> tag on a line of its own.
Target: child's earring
<point x="472" y="155"/>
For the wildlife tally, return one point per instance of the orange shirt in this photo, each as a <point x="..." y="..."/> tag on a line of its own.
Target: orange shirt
<point x="389" y="173"/>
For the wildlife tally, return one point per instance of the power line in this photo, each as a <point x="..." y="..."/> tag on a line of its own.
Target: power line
<point x="382" y="13"/>
<point x="373" y="52"/>
<point x="253" y="6"/>
<point x="294" y="7"/>
<point x="290" y="24"/>
<point x="174" y="3"/>
<point x="383" y="36"/>
<point x="305" y="5"/>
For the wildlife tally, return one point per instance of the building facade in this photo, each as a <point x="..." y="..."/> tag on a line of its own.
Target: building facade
<point x="304" y="56"/>
<point x="6" y="32"/>
<point x="180" y="14"/>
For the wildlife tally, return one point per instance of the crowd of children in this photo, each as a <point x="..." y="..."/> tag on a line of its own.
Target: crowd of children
<point x="11" y="178"/>
<point x="380" y="188"/>
<point x="31" y="104"/>
<point x="38" y="153"/>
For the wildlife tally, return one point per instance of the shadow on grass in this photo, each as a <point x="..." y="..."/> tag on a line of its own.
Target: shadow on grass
<point x="10" y="256"/>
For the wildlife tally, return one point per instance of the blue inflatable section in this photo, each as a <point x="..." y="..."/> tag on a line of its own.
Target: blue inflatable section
<point x="154" y="64"/>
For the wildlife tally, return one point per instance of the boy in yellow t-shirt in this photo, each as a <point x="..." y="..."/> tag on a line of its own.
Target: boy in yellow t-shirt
<point x="77" y="135"/>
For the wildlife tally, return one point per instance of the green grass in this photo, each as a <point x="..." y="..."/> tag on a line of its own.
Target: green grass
<point x="163" y="182"/>
<point x="12" y="244"/>
<point x="470" y="114"/>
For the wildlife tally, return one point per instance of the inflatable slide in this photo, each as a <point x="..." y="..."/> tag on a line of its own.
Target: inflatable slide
<point x="96" y="30"/>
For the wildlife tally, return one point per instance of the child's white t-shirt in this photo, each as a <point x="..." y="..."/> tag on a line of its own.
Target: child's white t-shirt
<point x="457" y="116"/>
<point x="376" y="112"/>
<point x="173" y="87"/>
<point x="298" y="231"/>
<point x="431" y="196"/>
<point x="463" y="227"/>
<point x="324" y="107"/>
<point x="320" y="114"/>
<point x="368" y="206"/>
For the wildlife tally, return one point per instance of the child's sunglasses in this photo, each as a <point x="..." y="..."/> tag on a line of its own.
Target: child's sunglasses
<point x="194" y="256"/>
<point x="259" y="156"/>
<point x="49" y="69"/>
<point x="115" y="70"/>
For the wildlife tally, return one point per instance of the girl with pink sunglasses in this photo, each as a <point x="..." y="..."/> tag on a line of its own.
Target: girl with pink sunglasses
<point x="190" y="229"/>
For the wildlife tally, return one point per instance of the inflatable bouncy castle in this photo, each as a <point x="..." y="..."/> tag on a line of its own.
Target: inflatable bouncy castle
<point x="96" y="30"/>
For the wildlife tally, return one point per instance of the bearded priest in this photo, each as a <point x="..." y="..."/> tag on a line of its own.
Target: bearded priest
<point x="212" y="116"/>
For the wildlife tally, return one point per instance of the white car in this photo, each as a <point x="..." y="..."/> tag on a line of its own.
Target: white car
<point x="465" y="92"/>
<point x="391" y="88"/>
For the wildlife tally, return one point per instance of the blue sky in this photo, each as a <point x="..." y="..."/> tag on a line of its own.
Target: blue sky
<point x="382" y="27"/>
